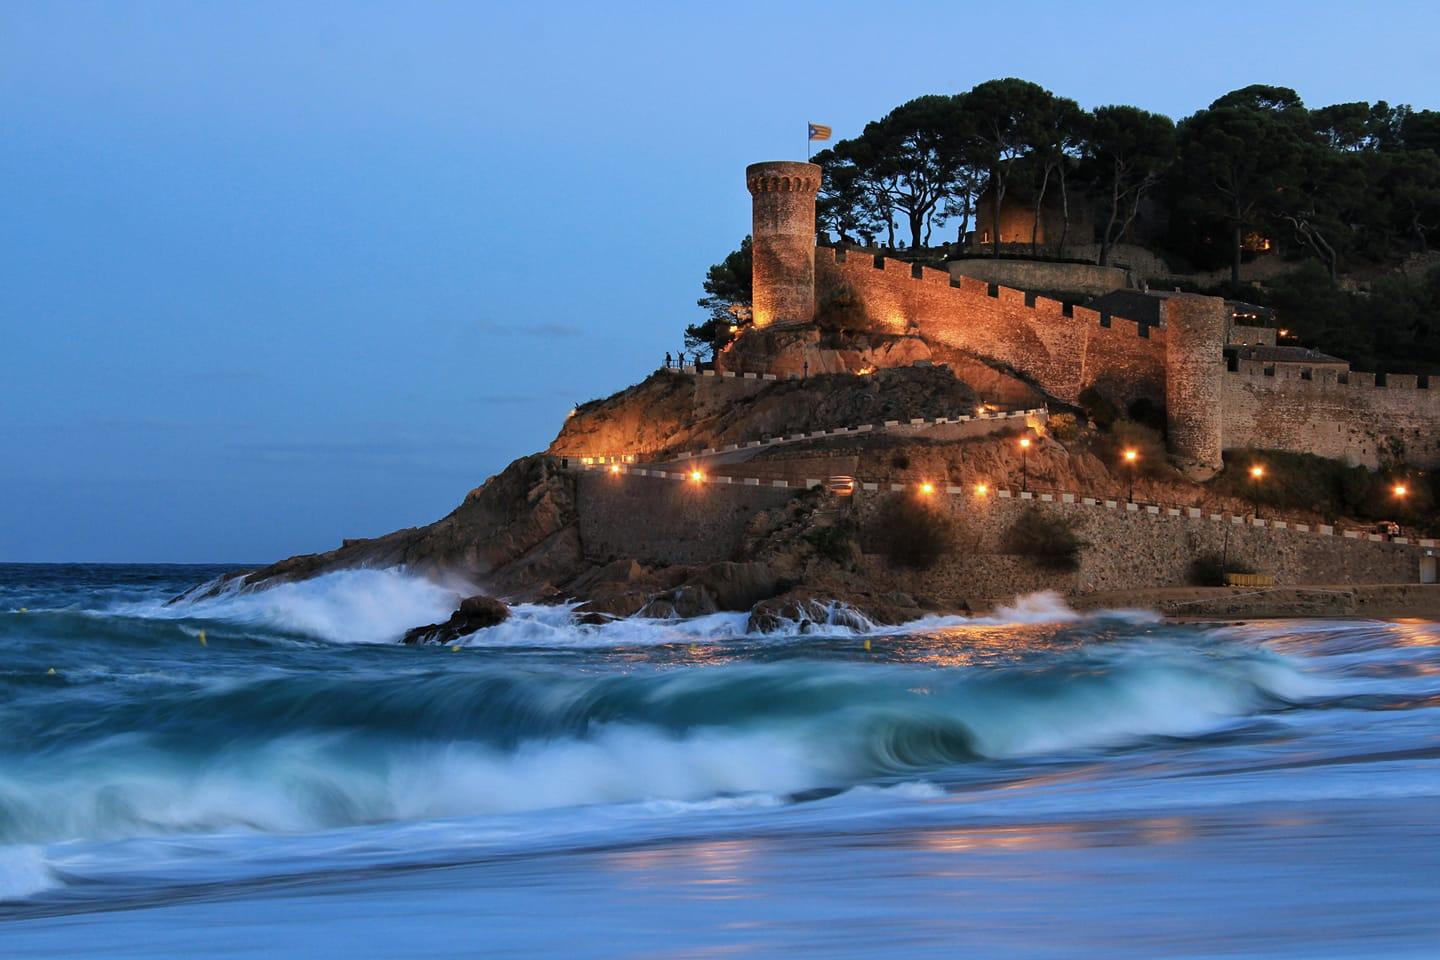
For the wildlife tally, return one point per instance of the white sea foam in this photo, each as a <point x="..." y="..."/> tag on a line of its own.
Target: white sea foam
<point x="24" y="872"/>
<point x="348" y="606"/>
<point x="378" y="606"/>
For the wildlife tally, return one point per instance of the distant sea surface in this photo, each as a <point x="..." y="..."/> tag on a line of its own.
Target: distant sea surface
<point x="272" y="775"/>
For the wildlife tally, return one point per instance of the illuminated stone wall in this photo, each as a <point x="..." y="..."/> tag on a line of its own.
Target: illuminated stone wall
<point x="1131" y="549"/>
<point x="1345" y="416"/>
<point x="668" y="521"/>
<point x="1062" y="350"/>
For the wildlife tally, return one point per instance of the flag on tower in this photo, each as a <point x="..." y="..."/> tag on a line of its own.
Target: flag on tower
<point x="818" y="131"/>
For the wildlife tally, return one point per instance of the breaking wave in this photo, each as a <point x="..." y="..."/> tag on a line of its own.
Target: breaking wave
<point x="281" y="754"/>
<point x="378" y="606"/>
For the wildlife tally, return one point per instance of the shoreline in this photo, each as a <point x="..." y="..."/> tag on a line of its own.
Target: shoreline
<point x="1317" y="602"/>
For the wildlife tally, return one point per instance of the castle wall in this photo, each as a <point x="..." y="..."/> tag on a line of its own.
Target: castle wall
<point x="1342" y="416"/>
<point x="1062" y="352"/>
<point x="1039" y="275"/>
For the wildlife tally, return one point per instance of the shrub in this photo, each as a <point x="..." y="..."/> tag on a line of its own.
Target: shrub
<point x="1332" y="488"/>
<point x="900" y="462"/>
<point x="1098" y="408"/>
<point x="912" y="532"/>
<point x="1048" y="538"/>
<point x="832" y="543"/>
<point x="1063" y="426"/>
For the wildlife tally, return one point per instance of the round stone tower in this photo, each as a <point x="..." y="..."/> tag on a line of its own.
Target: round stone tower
<point x="783" y="240"/>
<point x="1194" y="375"/>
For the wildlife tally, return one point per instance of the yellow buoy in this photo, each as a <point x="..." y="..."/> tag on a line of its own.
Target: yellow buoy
<point x="202" y="639"/>
<point x="455" y="648"/>
<point x="867" y="644"/>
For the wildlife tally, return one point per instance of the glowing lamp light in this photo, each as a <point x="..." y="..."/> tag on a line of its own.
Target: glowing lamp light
<point x="697" y="476"/>
<point x="1401" y="490"/>
<point x="1257" y="471"/>
<point x="614" y="468"/>
<point x="981" y="489"/>
<point x="1131" y="456"/>
<point x="1025" y="443"/>
<point x="927" y="488"/>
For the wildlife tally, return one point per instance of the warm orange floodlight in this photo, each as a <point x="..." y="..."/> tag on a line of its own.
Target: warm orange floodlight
<point x="1025" y="442"/>
<point x="697" y="476"/>
<point x="1131" y="456"/>
<point x="927" y="488"/>
<point x="1257" y="471"/>
<point x="981" y="489"/>
<point x="614" y="468"/>
<point x="1401" y="490"/>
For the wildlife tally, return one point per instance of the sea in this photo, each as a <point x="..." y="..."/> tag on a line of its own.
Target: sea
<point x="271" y="774"/>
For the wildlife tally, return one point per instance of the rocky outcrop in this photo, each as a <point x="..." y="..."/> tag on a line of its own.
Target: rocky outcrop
<point x="808" y="350"/>
<point x="475" y="613"/>
<point x="805" y="608"/>
<point x="672" y="412"/>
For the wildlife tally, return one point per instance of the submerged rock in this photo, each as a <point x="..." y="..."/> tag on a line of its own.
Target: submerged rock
<point x="475" y="613"/>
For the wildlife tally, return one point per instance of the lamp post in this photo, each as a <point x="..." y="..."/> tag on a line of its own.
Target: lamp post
<point x="1025" y="463"/>
<point x="1132" y="460"/>
<point x="1257" y="473"/>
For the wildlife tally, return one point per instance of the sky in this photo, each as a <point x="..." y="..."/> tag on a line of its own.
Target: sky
<point x="275" y="274"/>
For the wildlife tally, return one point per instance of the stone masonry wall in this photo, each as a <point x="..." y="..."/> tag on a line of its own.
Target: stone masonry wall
<point x="1040" y="275"/>
<point x="1064" y="350"/>
<point x="1346" y="416"/>
<point x="1132" y="549"/>
<point x="671" y="521"/>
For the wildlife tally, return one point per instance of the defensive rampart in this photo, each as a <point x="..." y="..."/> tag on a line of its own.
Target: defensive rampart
<point x="1345" y="416"/>
<point x="1063" y="349"/>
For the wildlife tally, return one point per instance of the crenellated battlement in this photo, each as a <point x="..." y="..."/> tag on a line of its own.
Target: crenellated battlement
<point x="1062" y="348"/>
<point x="1301" y="376"/>
<point x="967" y="289"/>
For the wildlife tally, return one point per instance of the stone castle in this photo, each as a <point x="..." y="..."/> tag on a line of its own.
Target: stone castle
<point x="1211" y="404"/>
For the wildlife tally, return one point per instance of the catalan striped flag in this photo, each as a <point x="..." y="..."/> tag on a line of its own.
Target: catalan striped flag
<point x="818" y="131"/>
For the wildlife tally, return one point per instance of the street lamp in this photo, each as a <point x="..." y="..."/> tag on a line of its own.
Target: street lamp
<point x="697" y="476"/>
<point x="927" y="488"/>
<point x="1132" y="460"/>
<point x="981" y="489"/>
<point x="1024" y="463"/>
<point x="1257" y="473"/>
<point x="1401" y="490"/>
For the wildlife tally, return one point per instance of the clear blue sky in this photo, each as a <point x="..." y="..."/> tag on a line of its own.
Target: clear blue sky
<point x="273" y="274"/>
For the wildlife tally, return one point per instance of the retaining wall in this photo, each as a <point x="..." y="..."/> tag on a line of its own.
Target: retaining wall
<point x="1135" y="546"/>
<point x="652" y="516"/>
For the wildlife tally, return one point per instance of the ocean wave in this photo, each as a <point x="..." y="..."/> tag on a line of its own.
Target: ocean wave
<point x="347" y="606"/>
<point x="378" y="606"/>
<point x="25" y="872"/>
<point x="286" y="754"/>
